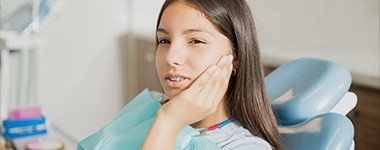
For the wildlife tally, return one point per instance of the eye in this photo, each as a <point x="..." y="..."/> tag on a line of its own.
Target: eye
<point x="163" y="41"/>
<point x="197" y="42"/>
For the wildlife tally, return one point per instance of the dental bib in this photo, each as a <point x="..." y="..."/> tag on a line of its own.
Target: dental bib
<point x="131" y="126"/>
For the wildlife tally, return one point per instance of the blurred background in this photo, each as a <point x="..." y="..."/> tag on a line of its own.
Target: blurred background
<point x="93" y="56"/>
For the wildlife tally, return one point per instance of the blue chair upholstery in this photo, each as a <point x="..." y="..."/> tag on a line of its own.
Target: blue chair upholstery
<point x="323" y="132"/>
<point x="302" y="94"/>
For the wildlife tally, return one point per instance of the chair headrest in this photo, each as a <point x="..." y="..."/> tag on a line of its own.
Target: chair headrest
<point x="305" y="88"/>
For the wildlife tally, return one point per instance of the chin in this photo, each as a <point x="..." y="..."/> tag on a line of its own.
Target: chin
<point x="170" y="93"/>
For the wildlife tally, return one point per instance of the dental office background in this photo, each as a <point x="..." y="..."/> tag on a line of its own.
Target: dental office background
<point x="96" y="55"/>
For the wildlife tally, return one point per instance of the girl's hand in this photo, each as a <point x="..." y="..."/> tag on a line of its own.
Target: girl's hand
<point x="202" y="97"/>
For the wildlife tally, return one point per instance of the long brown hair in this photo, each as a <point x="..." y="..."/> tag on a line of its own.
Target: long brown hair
<point x="247" y="100"/>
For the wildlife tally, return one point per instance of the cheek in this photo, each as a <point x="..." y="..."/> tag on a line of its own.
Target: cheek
<point x="200" y="65"/>
<point x="159" y="62"/>
<point x="201" y="62"/>
<point x="214" y="53"/>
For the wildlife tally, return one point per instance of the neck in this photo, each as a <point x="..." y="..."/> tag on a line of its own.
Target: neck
<point x="218" y="116"/>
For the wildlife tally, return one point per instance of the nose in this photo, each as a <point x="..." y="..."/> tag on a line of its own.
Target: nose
<point x="175" y="56"/>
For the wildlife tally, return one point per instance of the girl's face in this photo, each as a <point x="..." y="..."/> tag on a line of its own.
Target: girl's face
<point x="188" y="45"/>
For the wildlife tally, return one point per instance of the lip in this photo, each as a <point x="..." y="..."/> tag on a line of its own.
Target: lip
<point x="179" y="84"/>
<point x="176" y="75"/>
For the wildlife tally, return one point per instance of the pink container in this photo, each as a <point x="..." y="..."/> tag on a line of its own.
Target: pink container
<point x="26" y="113"/>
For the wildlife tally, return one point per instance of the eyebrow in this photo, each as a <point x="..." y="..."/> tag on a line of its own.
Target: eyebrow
<point x="162" y="30"/>
<point x="188" y="31"/>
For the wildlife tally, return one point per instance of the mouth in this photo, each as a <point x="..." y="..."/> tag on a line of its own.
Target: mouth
<point x="176" y="81"/>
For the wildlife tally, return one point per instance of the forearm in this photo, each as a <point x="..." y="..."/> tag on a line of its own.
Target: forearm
<point x="163" y="133"/>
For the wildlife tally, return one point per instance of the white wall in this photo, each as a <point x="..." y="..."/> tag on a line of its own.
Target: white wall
<point x="81" y="84"/>
<point x="345" y="31"/>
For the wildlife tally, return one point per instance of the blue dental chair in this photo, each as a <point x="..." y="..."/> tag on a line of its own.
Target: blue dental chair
<point x="311" y="100"/>
<point x="309" y="97"/>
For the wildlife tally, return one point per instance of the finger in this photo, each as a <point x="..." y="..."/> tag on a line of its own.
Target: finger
<point x="219" y="67"/>
<point x="204" y="97"/>
<point x="224" y="85"/>
<point x="217" y="95"/>
<point x="216" y="86"/>
<point x="201" y="81"/>
<point x="198" y="84"/>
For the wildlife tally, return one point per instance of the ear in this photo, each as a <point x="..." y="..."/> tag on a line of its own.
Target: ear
<point x="235" y="62"/>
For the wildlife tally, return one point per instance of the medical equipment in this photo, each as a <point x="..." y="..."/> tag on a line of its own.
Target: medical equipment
<point x="19" y="45"/>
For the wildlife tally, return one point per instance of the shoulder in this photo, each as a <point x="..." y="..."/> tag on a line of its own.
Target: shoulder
<point x="236" y="137"/>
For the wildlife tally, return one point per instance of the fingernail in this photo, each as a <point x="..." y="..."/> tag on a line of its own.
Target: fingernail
<point x="224" y="59"/>
<point x="230" y="58"/>
<point x="227" y="58"/>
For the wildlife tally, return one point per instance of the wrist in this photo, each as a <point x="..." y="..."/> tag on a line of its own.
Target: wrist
<point x="169" y="121"/>
<point x="163" y="133"/>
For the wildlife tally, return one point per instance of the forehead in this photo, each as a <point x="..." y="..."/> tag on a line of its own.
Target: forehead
<point x="179" y="16"/>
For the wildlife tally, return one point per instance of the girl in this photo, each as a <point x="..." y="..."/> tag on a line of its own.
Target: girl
<point x="209" y="66"/>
